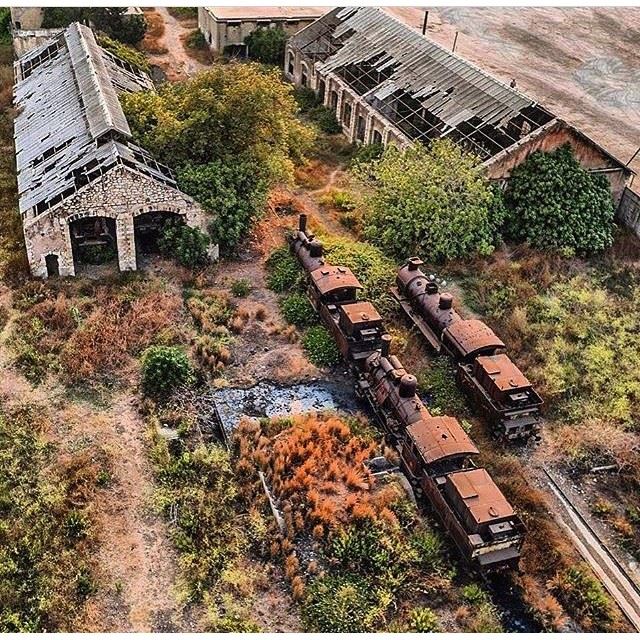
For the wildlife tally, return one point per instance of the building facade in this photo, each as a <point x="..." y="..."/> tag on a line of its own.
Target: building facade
<point x="225" y="28"/>
<point x="83" y="184"/>
<point x="389" y="84"/>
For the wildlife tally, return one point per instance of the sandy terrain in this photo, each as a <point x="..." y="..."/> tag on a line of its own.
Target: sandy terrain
<point x="580" y="63"/>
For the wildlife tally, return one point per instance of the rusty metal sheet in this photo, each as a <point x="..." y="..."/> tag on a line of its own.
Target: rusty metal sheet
<point x="330" y="278"/>
<point x="473" y="335"/>
<point x="503" y="372"/>
<point x="361" y="312"/>
<point x="480" y="495"/>
<point x="440" y="437"/>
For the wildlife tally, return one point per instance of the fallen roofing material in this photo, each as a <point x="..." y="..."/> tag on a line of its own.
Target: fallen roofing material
<point x="70" y="127"/>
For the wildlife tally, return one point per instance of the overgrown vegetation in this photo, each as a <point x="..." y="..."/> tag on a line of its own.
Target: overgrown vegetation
<point x="296" y="309"/>
<point x="555" y="203"/>
<point x="134" y="57"/>
<point x="320" y="347"/>
<point x="188" y="245"/>
<point x="46" y="532"/>
<point x="433" y="201"/>
<point x="230" y="132"/>
<point x="164" y="369"/>
<point x="284" y="273"/>
<point x="112" y="21"/>
<point x="352" y="548"/>
<point x="267" y="45"/>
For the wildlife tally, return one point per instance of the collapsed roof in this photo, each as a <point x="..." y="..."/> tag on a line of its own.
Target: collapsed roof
<point x="70" y="128"/>
<point x="424" y="90"/>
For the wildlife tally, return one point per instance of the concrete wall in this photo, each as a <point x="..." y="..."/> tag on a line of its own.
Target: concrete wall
<point x="552" y="136"/>
<point x="26" y="17"/>
<point x="222" y="33"/>
<point x="629" y="211"/>
<point x="25" y="40"/>
<point x="121" y="194"/>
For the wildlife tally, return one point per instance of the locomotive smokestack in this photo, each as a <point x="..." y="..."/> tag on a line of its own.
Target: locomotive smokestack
<point x="315" y="248"/>
<point x="446" y="301"/>
<point x="408" y="386"/>
<point x="386" y="345"/>
<point x="414" y="263"/>
<point x="302" y="226"/>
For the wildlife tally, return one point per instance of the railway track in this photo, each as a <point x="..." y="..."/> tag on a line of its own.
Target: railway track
<point x="605" y="565"/>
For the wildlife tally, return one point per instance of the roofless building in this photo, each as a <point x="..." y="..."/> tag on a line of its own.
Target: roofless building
<point x="387" y="83"/>
<point x="82" y="181"/>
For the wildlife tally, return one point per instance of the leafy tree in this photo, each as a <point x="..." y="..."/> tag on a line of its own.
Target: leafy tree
<point x="5" y="25"/>
<point x="164" y="369"/>
<point x="267" y="45"/>
<point x="325" y="118"/>
<point x="554" y="203"/>
<point x="188" y="244"/>
<point x="231" y="112"/>
<point x="233" y="192"/>
<point x="112" y="21"/>
<point x="434" y="202"/>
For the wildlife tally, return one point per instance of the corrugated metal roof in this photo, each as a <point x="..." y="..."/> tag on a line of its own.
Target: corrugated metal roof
<point x="70" y="125"/>
<point x="456" y="89"/>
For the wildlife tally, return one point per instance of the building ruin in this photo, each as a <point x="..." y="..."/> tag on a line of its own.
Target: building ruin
<point x="387" y="83"/>
<point x="82" y="181"/>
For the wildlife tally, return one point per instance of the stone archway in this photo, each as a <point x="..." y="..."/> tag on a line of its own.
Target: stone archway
<point x="147" y="229"/>
<point x="93" y="240"/>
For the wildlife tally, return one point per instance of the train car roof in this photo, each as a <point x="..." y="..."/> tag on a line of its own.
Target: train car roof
<point x="364" y="311"/>
<point x="503" y="372"/>
<point x="480" y="495"/>
<point x="329" y="278"/>
<point x="473" y="335"/>
<point x="440" y="437"/>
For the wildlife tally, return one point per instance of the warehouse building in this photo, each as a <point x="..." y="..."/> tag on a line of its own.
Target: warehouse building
<point x="225" y="28"/>
<point x="387" y="83"/>
<point x="83" y="184"/>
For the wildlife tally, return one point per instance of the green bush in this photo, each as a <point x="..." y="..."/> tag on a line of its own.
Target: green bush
<point x="429" y="549"/>
<point x="240" y="288"/>
<point x="296" y="309"/>
<point x="320" y="347"/>
<point x="188" y="244"/>
<point x="306" y="98"/>
<point x="554" y="203"/>
<point x="196" y="40"/>
<point x="340" y="604"/>
<point x="583" y="597"/>
<point x="267" y="45"/>
<point x="112" y="21"/>
<point x="372" y="268"/>
<point x="284" y="272"/>
<point x="437" y="380"/>
<point x="423" y="620"/>
<point x="164" y="369"/>
<point x="367" y="153"/>
<point x="98" y="254"/>
<point x="435" y="202"/>
<point x="134" y="57"/>
<point x="325" y="118"/>
<point x="5" y="25"/>
<point x="474" y="594"/>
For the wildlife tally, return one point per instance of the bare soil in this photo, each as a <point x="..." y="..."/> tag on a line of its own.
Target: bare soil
<point x="579" y="62"/>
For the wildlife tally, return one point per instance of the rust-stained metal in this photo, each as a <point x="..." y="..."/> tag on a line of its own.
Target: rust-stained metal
<point x="483" y="369"/>
<point x="440" y="438"/>
<point x="330" y="280"/>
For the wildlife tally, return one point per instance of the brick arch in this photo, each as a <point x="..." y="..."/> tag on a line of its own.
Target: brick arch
<point x="105" y="213"/>
<point x="161" y="207"/>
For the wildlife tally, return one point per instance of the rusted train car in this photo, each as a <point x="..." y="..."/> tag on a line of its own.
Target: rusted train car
<point x="436" y="454"/>
<point x="484" y="370"/>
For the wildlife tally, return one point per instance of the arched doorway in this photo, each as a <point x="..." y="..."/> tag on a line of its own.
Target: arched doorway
<point x="147" y="228"/>
<point x="93" y="240"/>
<point x="53" y="265"/>
<point x="377" y="137"/>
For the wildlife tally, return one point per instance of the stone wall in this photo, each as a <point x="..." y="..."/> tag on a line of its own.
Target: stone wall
<point x="121" y="194"/>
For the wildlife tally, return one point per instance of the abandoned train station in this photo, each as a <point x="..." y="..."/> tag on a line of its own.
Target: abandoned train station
<point x="387" y="83"/>
<point x="83" y="184"/>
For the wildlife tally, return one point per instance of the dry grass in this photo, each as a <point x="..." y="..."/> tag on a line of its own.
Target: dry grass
<point x="154" y="34"/>
<point x="312" y="175"/>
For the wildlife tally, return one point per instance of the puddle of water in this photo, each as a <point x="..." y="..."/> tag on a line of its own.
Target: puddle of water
<point x="267" y="399"/>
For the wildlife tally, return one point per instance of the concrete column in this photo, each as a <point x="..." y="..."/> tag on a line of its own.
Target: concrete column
<point x="328" y="86"/>
<point x="368" y="129"/>
<point x="65" y="257"/>
<point x="353" y="125"/>
<point x="339" y="105"/>
<point x="126" y="243"/>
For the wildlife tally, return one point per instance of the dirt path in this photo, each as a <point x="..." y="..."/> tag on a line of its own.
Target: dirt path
<point x="176" y="63"/>
<point x="136" y="561"/>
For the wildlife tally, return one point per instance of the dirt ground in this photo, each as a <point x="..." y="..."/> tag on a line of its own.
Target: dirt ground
<point x="580" y="63"/>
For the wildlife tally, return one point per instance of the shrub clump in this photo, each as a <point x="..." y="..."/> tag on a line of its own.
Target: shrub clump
<point x="240" y="288"/>
<point x="554" y="203"/>
<point x="284" y="272"/>
<point x="188" y="244"/>
<point x="267" y="45"/>
<point x="320" y="347"/>
<point x="164" y="369"/>
<point x="296" y="309"/>
<point x="325" y="119"/>
<point x="433" y="201"/>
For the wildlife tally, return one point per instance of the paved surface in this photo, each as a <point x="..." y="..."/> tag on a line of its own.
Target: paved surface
<point x="581" y="63"/>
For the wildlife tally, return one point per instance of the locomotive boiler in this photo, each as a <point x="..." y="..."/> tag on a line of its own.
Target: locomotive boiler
<point x="484" y="370"/>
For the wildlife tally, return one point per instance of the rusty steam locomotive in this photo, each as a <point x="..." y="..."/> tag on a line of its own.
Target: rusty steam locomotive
<point x="435" y="452"/>
<point x="484" y="370"/>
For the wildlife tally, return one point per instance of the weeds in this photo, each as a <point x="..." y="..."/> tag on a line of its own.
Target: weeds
<point x="320" y="347"/>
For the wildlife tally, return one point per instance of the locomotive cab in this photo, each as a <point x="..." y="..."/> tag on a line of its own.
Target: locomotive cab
<point x="361" y="324"/>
